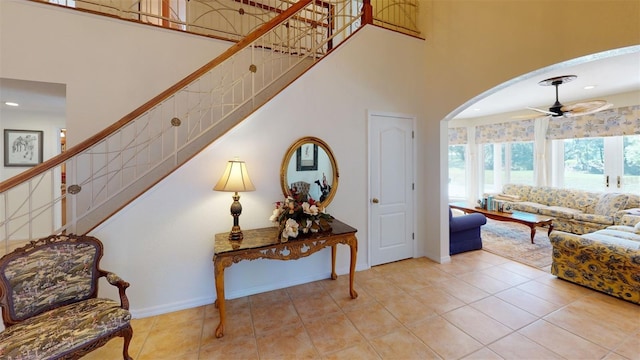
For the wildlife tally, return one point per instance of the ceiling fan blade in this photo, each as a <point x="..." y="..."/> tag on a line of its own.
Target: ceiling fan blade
<point x="586" y="107"/>
<point x="529" y="116"/>
<point x="543" y="111"/>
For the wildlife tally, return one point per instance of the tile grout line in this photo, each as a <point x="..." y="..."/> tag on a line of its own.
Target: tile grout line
<point x="144" y="342"/>
<point x="203" y="320"/>
<point x="253" y="327"/>
<point x="563" y="301"/>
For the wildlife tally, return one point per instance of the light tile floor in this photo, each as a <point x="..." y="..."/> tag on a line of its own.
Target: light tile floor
<point x="479" y="306"/>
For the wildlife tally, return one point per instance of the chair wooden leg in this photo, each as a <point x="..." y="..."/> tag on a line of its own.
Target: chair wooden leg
<point x="127" y="334"/>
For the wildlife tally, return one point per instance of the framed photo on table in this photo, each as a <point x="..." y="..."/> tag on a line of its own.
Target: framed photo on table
<point x="22" y="147"/>
<point x="307" y="157"/>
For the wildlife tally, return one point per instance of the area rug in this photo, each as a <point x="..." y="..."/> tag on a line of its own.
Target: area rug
<point x="513" y="241"/>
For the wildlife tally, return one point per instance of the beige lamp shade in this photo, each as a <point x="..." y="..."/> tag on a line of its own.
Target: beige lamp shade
<point x="235" y="178"/>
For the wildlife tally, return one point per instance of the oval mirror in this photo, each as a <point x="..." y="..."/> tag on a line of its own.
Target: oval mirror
<point x="309" y="167"/>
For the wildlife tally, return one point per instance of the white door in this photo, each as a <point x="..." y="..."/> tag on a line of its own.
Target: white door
<point x="390" y="187"/>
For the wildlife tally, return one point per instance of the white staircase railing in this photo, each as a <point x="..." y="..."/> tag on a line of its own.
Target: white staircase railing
<point x="107" y="171"/>
<point x="234" y="19"/>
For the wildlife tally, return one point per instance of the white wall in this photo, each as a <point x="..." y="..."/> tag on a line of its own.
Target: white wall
<point x="110" y="66"/>
<point x="169" y="231"/>
<point x="162" y="243"/>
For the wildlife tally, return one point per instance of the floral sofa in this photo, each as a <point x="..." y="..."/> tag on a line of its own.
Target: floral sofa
<point x="574" y="211"/>
<point x="606" y="260"/>
<point x="50" y="308"/>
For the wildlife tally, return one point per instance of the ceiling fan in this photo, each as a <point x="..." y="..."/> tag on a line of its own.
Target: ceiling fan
<point x="577" y="109"/>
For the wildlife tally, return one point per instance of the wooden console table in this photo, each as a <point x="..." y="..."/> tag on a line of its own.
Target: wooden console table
<point x="265" y="244"/>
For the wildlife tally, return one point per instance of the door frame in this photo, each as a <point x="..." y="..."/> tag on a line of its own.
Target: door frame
<point x="370" y="114"/>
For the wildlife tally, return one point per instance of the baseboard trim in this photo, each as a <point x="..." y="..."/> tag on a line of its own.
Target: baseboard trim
<point x="202" y="301"/>
<point x="171" y="307"/>
<point x="281" y="285"/>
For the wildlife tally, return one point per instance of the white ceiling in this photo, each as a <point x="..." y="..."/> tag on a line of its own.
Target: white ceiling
<point x="611" y="75"/>
<point x="33" y="95"/>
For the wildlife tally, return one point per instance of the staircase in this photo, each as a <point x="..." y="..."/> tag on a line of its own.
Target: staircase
<point x="109" y="170"/>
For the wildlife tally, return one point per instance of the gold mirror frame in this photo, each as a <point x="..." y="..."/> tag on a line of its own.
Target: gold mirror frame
<point x="292" y="156"/>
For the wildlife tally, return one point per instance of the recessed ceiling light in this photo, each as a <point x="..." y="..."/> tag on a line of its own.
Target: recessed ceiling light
<point x="9" y="103"/>
<point x="589" y="87"/>
<point x="477" y="109"/>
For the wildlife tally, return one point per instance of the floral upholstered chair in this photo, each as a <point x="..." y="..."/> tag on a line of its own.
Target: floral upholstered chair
<point x="50" y="308"/>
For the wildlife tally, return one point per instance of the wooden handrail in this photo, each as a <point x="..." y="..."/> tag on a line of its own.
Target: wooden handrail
<point x="91" y="141"/>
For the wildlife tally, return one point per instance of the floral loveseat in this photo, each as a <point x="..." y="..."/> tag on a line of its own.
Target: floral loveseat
<point x="606" y="260"/>
<point x="574" y="211"/>
<point x="50" y="309"/>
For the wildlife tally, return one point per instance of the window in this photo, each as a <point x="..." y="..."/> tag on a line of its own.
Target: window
<point x="457" y="171"/>
<point x="491" y="168"/>
<point x="601" y="164"/>
<point x="589" y="152"/>
<point x="521" y="169"/>
<point x="515" y="165"/>
<point x="631" y="164"/>
<point x="583" y="163"/>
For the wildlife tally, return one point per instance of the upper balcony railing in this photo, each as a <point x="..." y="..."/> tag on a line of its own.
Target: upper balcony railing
<point x="78" y="189"/>
<point x="234" y="19"/>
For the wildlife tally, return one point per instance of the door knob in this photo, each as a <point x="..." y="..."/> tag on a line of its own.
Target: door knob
<point x="375" y="200"/>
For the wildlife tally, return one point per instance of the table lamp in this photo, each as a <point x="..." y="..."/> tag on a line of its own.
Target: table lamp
<point x="235" y="179"/>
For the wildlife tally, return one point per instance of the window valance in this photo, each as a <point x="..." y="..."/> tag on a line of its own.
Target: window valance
<point x="614" y="122"/>
<point x="458" y="136"/>
<point x="506" y="132"/>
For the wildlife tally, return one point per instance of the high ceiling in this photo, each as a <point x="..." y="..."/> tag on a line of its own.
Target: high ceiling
<point x="610" y="75"/>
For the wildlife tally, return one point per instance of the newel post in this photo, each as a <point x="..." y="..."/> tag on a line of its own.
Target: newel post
<point x="367" y="12"/>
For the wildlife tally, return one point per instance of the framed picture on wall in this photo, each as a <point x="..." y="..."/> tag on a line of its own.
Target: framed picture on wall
<point x="307" y="157"/>
<point x="22" y="147"/>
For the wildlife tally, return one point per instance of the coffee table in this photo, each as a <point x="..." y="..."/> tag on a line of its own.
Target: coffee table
<point x="524" y="218"/>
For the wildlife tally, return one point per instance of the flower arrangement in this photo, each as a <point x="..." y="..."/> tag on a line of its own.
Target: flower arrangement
<point x="299" y="214"/>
